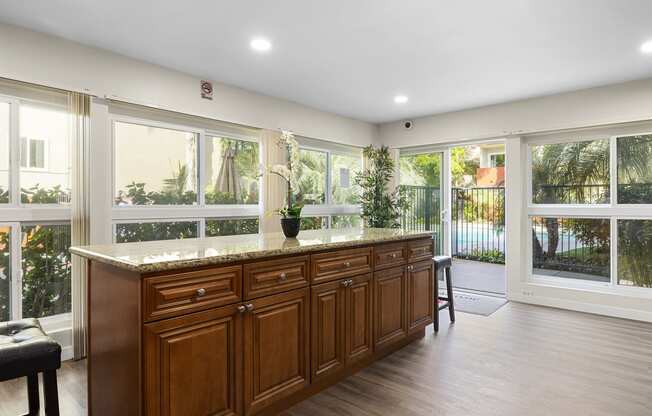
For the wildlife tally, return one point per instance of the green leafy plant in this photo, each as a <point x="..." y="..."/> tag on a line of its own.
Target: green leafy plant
<point x="380" y="208"/>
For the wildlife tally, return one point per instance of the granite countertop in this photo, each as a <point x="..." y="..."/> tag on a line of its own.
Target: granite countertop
<point x="154" y="256"/>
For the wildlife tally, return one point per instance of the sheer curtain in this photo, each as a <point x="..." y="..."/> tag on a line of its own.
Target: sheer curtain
<point x="79" y="107"/>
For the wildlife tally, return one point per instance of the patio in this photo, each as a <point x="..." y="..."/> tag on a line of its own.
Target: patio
<point x="479" y="276"/>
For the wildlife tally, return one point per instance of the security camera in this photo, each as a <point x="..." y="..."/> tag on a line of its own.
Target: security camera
<point x="407" y="124"/>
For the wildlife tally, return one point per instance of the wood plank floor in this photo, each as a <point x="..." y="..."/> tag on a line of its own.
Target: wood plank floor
<point x="522" y="360"/>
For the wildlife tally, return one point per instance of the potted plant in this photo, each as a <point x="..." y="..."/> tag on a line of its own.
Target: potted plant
<point x="380" y="208"/>
<point x="290" y="213"/>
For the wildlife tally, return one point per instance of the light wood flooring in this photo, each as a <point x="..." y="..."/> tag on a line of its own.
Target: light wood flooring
<point x="523" y="360"/>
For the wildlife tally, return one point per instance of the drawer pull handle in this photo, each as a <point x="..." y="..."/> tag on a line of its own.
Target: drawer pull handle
<point x="201" y="292"/>
<point x="242" y="309"/>
<point x="393" y="255"/>
<point x="249" y="307"/>
<point x="347" y="264"/>
<point x="282" y="277"/>
<point x="347" y="282"/>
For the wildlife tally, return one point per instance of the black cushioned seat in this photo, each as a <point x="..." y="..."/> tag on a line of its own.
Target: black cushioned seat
<point x="442" y="262"/>
<point x="25" y="351"/>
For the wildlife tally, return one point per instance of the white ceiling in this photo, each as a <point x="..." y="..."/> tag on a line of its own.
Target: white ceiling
<point x="351" y="57"/>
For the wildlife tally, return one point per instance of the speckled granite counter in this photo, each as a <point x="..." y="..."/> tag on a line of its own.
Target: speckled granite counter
<point x="157" y="256"/>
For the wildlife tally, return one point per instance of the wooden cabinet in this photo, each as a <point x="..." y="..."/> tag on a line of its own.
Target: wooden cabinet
<point x="193" y="364"/>
<point x="390" y="255"/>
<point x="276" y="348"/>
<point x="275" y="276"/>
<point x="358" y="319"/>
<point x="390" y="306"/>
<point x="421" y="298"/>
<point x="335" y="265"/>
<point x="421" y="250"/>
<point x="341" y="324"/>
<point x="327" y="327"/>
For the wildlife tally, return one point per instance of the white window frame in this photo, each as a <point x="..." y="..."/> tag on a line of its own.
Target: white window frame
<point x="169" y="213"/>
<point x="613" y="211"/>
<point x="490" y="155"/>
<point x="16" y="214"/>
<point x="328" y="209"/>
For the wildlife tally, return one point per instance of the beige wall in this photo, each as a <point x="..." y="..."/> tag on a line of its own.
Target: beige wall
<point x="630" y="101"/>
<point x="42" y="59"/>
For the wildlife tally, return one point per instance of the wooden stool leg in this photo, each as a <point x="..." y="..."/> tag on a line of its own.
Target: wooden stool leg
<point x="435" y="318"/>
<point x="51" y="393"/>
<point x="32" y="394"/>
<point x="449" y="291"/>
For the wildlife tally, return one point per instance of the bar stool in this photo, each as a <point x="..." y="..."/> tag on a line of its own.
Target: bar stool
<point x="444" y="263"/>
<point x="25" y="351"/>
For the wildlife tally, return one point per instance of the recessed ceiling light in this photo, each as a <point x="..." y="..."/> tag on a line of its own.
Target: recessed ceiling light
<point x="400" y="99"/>
<point x="260" y="44"/>
<point x="646" y="47"/>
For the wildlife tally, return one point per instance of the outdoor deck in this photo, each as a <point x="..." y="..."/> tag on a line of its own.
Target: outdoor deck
<point x="478" y="276"/>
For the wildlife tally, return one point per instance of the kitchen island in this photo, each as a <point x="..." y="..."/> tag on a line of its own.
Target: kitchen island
<point x="248" y="324"/>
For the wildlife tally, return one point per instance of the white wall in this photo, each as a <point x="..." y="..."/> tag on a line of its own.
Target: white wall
<point x="630" y="101"/>
<point x="42" y="59"/>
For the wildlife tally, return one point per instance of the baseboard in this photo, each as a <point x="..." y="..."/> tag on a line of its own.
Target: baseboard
<point x="605" y="310"/>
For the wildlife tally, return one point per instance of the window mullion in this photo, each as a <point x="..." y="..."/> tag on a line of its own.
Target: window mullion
<point x="201" y="168"/>
<point x="16" y="273"/>
<point x="14" y="153"/>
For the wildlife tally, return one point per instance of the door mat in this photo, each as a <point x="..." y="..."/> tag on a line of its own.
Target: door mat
<point x="477" y="304"/>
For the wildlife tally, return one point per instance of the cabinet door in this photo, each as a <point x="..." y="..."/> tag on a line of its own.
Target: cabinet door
<point x="390" y="306"/>
<point x="276" y="348"/>
<point x="358" y="322"/>
<point x="327" y="303"/>
<point x="193" y="364"/>
<point x="421" y="295"/>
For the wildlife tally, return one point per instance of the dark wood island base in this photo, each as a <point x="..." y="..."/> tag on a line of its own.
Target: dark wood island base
<point x="253" y="336"/>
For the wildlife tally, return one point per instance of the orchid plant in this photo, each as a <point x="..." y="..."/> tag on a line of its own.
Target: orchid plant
<point x="288" y="173"/>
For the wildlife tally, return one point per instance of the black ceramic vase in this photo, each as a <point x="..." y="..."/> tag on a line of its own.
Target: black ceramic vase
<point x="290" y="226"/>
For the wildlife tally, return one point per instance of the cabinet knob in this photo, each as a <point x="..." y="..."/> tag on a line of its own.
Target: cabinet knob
<point x="242" y="309"/>
<point x="393" y="255"/>
<point x="350" y="282"/>
<point x="201" y="292"/>
<point x="249" y="307"/>
<point x="347" y="264"/>
<point x="345" y="283"/>
<point x="410" y="268"/>
<point x="282" y="277"/>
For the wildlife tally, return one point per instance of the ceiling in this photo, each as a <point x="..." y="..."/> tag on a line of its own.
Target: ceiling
<point x="351" y="57"/>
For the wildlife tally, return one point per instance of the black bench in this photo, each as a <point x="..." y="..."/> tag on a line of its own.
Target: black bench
<point x="25" y="351"/>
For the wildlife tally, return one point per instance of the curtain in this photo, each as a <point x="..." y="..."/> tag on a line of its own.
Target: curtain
<point x="79" y="108"/>
<point x="274" y="188"/>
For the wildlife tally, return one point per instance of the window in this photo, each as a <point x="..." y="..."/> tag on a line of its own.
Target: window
<point x="4" y="152"/>
<point x="311" y="174"/>
<point x="5" y="273"/>
<point x="218" y="227"/>
<point x="32" y="153"/>
<point x="152" y="231"/>
<point x="344" y="168"/>
<point x="589" y="217"/>
<point x="635" y="169"/>
<point x="574" y="248"/>
<point x="635" y="253"/>
<point x="313" y="223"/>
<point x="346" y="221"/>
<point x="35" y="192"/>
<point x="161" y="192"/>
<point x="497" y="160"/>
<point x="571" y="173"/>
<point x="44" y="179"/>
<point x="154" y="165"/>
<point x="46" y="267"/>
<point x="326" y="184"/>
<point x="232" y="171"/>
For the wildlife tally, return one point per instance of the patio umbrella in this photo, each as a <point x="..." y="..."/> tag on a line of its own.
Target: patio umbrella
<point x="228" y="180"/>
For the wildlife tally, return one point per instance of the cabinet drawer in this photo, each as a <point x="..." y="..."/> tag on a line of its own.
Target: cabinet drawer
<point x="338" y="264"/>
<point x="389" y="255"/>
<point x="274" y="276"/>
<point x="421" y="250"/>
<point x="177" y="294"/>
